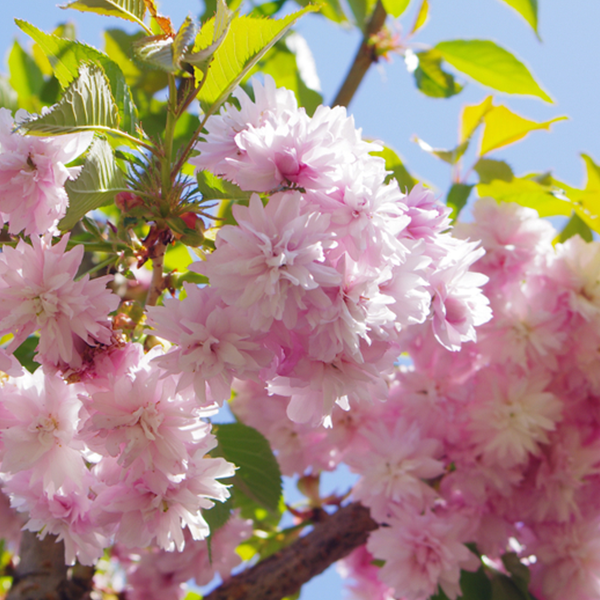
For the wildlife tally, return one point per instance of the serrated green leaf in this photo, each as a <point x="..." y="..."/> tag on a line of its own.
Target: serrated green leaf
<point x="457" y="198"/>
<point x="131" y="10"/>
<point x="431" y="79"/>
<point x="493" y="66"/>
<point x="258" y="475"/>
<point x="214" y="188"/>
<point x="576" y="226"/>
<point x="527" y="192"/>
<point x="66" y="56"/>
<point x="87" y="105"/>
<point x="504" y="127"/>
<point x="395" y="164"/>
<point x="98" y="183"/>
<point x="489" y="169"/>
<point x="395" y="7"/>
<point x="246" y="43"/>
<point x="26" y="78"/>
<point x="528" y="9"/>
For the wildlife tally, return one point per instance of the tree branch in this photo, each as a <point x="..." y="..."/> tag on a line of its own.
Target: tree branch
<point x="364" y="58"/>
<point x="283" y="573"/>
<point x="157" y="284"/>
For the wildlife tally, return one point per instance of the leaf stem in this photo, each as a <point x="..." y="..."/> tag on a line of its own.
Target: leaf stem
<point x="365" y="57"/>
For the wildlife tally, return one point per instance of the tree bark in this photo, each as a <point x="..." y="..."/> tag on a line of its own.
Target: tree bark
<point x="42" y="574"/>
<point x="284" y="572"/>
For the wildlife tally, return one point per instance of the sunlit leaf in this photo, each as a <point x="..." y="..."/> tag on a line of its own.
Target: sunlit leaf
<point x="87" y="105"/>
<point x="472" y="116"/>
<point x="131" y="10"/>
<point x="585" y="203"/>
<point x="504" y="127"/>
<point x="422" y="16"/>
<point x="395" y="164"/>
<point x="431" y="79"/>
<point x="593" y="173"/>
<point x="258" y="475"/>
<point x="214" y="188"/>
<point x="491" y="65"/>
<point x="66" y="57"/>
<point x="395" y="7"/>
<point x="528" y="9"/>
<point x="26" y="78"/>
<point x="247" y="42"/>
<point x="489" y="169"/>
<point x="98" y="183"/>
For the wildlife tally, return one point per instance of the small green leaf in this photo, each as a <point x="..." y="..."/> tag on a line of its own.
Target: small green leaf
<point x="98" y="183"/>
<point x="491" y="65"/>
<point x="131" y="10"/>
<point x="395" y="164"/>
<point x="448" y="156"/>
<point x="504" y="127"/>
<point x="87" y="105"/>
<point x="258" y="475"/>
<point x="431" y="79"/>
<point x="421" y="17"/>
<point x="489" y="169"/>
<point x="26" y="78"/>
<point x="457" y="198"/>
<point x="26" y="351"/>
<point x="475" y="586"/>
<point x="576" y="226"/>
<point x="395" y="7"/>
<point x="246" y="43"/>
<point x="214" y="188"/>
<point x="528" y="9"/>
<point x="472" y="116"/>
<point x="66" y="57"/>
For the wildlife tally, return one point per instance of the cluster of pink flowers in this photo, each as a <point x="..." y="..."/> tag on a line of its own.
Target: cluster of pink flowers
<point x="312" y="288"/>
<point x="494" y="445"/>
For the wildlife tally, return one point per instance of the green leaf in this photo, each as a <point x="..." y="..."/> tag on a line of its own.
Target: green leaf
<point x="8" y="96"/>
<point x="576" y="226"/>
<point x="448" y="156"/>
<point x="472" y="116"/>
<point x="457" y="198"/>
<point x="593" y="173"/>
<point x="491" y="65"/>
<point x="66" y="56"/>
<point x="87" y="105"/>
<point x="395" y="164"/>
<point x="26" y="78"/>
<point x="218" y="515"/>
<point x="98" y="183"/>
<point x="282" y="64"/>
<point x="475" y="586"/>
<point x="258" y="475"/>
<point x="528" y="9"/>
<point x="246" y="43"/>
<point x="421" y="17"/>
<point x="131" y="10"/>
<point x="431" y="79"/>
<point x="214" y="188"/>
<point x="527" y="192"/>
<point x="504" y="127"/>
<point x="585" y="203"/>
<point x="395" y="7"/>
<point x="26" y="351"/>
<point x="489" y="169"/>
<point x="504" y="588"/>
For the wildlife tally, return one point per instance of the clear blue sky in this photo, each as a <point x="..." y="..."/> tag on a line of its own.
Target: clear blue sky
<point x="389" y="108"/>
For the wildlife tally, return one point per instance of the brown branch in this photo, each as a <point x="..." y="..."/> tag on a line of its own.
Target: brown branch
<point x="283" y="573"/>
<point x="364" y="58"/>
<point x="157" y="284"/>
<point x="42" y="574"/>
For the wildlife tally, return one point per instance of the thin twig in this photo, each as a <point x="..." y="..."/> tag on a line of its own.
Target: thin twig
<point x="364" y="58"/>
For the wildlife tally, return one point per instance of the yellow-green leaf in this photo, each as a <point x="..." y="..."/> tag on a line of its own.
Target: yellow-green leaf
<point x="528" y="9"/>
<point x="131" y="10"/>
<point x="395" y="164"/>
<point x="26" y="78"/>
<point x="395" y="7"/>
<point x="504" y="127"/>
<point x="472" y="117"/>
<point x="247" y="42"/>
<point x="422" y="16"/>
<point x="431" y="79"/>
<point x="593" y="173"/>
<point x="491" y="65"/>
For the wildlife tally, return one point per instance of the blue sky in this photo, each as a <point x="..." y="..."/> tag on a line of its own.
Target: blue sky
<point x="388" y="107"/>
